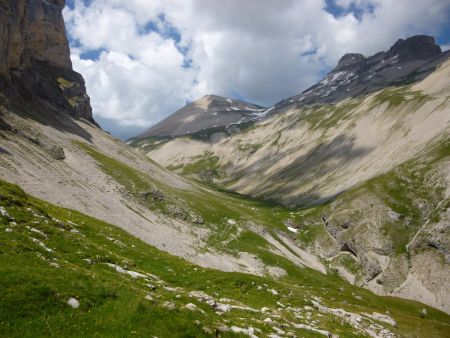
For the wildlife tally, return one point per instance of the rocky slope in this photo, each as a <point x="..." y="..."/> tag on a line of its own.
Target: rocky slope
<point x="312" y="155"/>
<point x="66" y="272"/>
<point x="407" y="61"/>
<point x="35" y="57"/>
<point x="211" y="116"/>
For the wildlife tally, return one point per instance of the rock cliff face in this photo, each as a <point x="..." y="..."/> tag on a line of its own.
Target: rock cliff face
<point x="35" y="56"/>
<point x="31" y="29"/>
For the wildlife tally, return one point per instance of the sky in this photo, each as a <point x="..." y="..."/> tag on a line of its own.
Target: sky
<point x="144" y="59"/>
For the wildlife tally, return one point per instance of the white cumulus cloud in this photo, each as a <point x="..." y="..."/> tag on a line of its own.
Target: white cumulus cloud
<point x="150" y="57"/>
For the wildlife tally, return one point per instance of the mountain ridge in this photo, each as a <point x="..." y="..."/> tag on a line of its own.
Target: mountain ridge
<point x="315" y="157"/>
<point x="210" y="111"/>
<point x="68" y="270"/>
<point x="407" y="61"/>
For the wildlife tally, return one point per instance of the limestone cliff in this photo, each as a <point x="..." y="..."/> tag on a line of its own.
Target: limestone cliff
<point x="35" y="56"/>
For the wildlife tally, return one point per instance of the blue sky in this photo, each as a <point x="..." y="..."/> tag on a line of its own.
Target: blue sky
<point x="142" y="59"/>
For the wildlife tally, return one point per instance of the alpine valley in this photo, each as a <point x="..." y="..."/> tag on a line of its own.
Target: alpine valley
<point x="327" y="214"/>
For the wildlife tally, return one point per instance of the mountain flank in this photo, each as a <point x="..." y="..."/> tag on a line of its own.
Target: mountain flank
<point x="209" y="114"/>
<point x="97" y="239"/>
<point x="407" y="61"/>
<point x="369" y="169"/>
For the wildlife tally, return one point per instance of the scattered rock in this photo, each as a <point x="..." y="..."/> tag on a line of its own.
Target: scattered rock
<point x="119" y="269"/>
<point x="423" y="313"/>
<point x="38" y="232"/>
<point x="278" y="330"/>
<point x="5" y="213"/>
<point x="169" y="305"/>
<point x="382" y="318"/>
<point x="249" y="332"/>
<point x="73" y="303"/>
<point x="394" y="215"/>
<point x="176" y="211"/>
<point x="156" y="195"/>
<point x="197" y="219"/>
<point x="191" y="306"/>
<point x="41" y="244"/>
<point x="57" y="153"/>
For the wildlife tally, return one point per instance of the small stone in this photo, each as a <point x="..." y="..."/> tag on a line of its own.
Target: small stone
<point x="423" y="313"/>
<point x="57" y="153"/>
<point x="191" y="306"/>
<point x="73" y="303"/>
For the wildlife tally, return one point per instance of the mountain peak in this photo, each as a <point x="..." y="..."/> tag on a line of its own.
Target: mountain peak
<point x="211" y="112"/>
<point x="407" y="61"/>
<point x="417" y="47"/>
<point x="349" y="60"/>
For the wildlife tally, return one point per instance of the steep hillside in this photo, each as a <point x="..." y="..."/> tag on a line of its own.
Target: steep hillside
<point x="406" y="62"/>
<point x="66" y="274"/>
<point x="51" y="146"/>
<point x="202" y="118"/>
<point x="102" y="266"/>
<point x="313" y="156"/>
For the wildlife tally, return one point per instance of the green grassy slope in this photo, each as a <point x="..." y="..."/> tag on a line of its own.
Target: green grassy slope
<point x="50" y="254"/>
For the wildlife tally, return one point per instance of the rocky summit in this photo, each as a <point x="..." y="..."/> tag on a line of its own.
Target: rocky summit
<point x="227" y="219"/>
<point x="407" y="61"/>
<point x="209" y="114"/>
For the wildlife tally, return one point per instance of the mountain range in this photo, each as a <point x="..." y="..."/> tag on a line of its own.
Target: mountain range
<point x="362" y="148"/>
<point x="324" y="216"/>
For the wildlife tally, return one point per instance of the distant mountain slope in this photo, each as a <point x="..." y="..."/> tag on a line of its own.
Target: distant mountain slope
<point x="68" y="273"/>
<point x="211" y="111"/>
<point x="407" y="61"/>
<point x="390" y="145"/>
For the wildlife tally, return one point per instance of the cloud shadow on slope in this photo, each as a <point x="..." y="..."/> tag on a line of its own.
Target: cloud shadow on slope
<point x="325" y="159"/>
